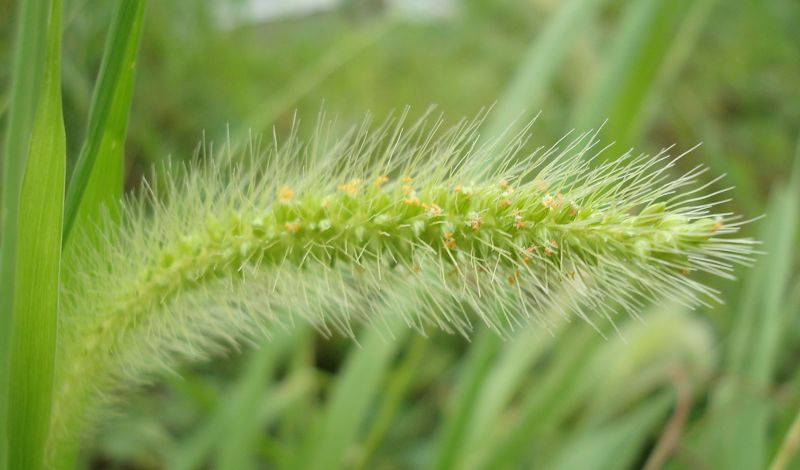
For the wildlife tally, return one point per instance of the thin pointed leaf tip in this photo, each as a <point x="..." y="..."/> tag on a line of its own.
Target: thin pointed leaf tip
<point x="354" y="227"/>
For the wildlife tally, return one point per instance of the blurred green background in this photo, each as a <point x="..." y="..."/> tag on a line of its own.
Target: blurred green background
<point x="714" y="388"/>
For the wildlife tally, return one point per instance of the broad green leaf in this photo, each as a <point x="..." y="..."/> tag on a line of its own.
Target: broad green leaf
<point x="35" y="311"/>
<point x="26" y="76"/>
<point x="96" y="181"/>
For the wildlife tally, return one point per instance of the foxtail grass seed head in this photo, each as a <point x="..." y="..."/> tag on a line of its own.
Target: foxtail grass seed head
<point x="389" y="222"/>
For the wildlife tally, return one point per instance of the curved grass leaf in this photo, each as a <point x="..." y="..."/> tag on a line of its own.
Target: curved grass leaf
<point x="96" y="182"/>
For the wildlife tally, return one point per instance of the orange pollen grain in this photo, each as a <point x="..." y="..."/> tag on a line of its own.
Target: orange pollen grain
<point x="434" y="210"/>
<point x="292" y="227"/>
<point x="407" y="179"/>
<point x="380" y="180"/>
<point x="285" y="194"/>
<point x="449" y="241"/>
<point x="351" y="187"/>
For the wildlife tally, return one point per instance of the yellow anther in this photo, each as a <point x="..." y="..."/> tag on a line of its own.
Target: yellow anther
<point x="475" y="221"/>
<point x="285" y="194"/>
<point x="351" y="187"/>
<point x="573" y="210"/>
<point x="506" y="187"/>
<point x="504" y="203"/>
<point x="433" y="210"/>
<point x="540" y="184"/>
<point x="407" y="179"/>
<point x="412" y="201"/>
<point x="549" y="202"/>
<point x="458" y="189"/>
<point x="380" y="180"/>
<point x="292" y="227"/>
<point x="449" y="241"/>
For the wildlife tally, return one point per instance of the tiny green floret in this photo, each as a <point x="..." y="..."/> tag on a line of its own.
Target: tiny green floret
<point x="389" y="222"/>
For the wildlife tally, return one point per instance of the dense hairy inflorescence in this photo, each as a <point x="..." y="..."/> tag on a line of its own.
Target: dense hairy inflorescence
<point x="392" y="222"/>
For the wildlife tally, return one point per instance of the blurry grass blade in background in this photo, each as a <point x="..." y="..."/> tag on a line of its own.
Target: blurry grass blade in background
<point x="524" y="93"/>
<point x="36" y="289"/>
<point x="238" y="408"/>
<point x="351" y="396"/>
<point x="645" y="35"/>
<point x="615" y="445"/>
<point x="97" y="178"/>
<point x="26" y="75"/>
<point x="281" y="101"/>
<point x="451" y="440"/>
<point x="739" y="429"/>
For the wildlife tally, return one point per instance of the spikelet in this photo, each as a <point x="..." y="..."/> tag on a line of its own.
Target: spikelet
<point x="388" y="222"/>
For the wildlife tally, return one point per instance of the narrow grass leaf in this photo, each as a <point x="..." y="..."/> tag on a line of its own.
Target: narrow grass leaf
<point x="615" y="445"/>
<point x="36" y="289"/>
<point x="525" y="92"/>
<point x="97" y="179"/>
<point x="451" y="440"/>
<point x="26" y="73"/>
<point x="740" y="415"/>
<point x="238" y="403"/>
<point x="636" y="56"/>
<point x="352" y="396"/>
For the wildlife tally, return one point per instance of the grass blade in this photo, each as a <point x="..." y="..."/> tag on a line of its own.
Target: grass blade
<point x="29" y="58"/>
<point x="351" y="396"/>
<point x="739" y="429"/>
<point x="242" y="399"/>
<point x="451" y="440"/>
<point x="35" y="310"/>
<point x="615" y="445"/>
<point x="636" y="58"/>
<point x="94" y="181"/>
<point x="527" y="87"/>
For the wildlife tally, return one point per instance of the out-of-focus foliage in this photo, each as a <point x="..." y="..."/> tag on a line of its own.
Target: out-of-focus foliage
<point x="681" y="387"/>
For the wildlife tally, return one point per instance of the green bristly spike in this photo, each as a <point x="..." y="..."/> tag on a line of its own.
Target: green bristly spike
<point x="392" y="223"/>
